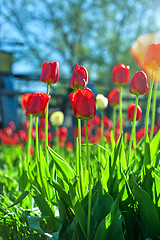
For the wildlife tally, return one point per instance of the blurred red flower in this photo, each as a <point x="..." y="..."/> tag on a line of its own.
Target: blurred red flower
<point x="139" y="83"/>
<point x="107" y="123"/>
<point x="79" y="78"/>
<point x="96" y="120"/>
<point x="83" y="103"/>
<point x="113" y="97"/>
<point x="120" y="74"/>
<point x="37" y="103"/>
<point x="69" y="146"/>
<point x="152" y="57"/>
<point x="42" y="123"/>
<point x="50" y="72"/>
<point x="131" y="110"/>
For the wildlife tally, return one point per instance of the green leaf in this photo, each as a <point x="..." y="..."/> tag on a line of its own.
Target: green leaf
<point x="111" y="226"/>
<point x="147" y="154"/>
<point x="65" y="169"/>
<point x="34" y="224"/>
<point x="18" y="200"/>
<point x="79" y="210"/>
<point x="122" y="157"/>
<point x="147" y="211"/>
<point x="155" y="145"/>
<point x="61" y="192"/>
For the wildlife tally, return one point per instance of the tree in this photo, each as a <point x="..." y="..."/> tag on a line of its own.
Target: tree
<point x="95" y="34"/>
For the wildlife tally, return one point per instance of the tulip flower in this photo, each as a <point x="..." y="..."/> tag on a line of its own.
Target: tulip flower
<point x="131" y="110"/>
<point x="101" y="102"/>
<point x="120" y="74"/>
<point x="79" y="78"/>
<point x="50" y="72"/>
<point x="139" y="83"/>
<point x="42" y="123"/>
<point x="83" y="103"/>
<point x="37" y="102"/>
<point x="96" y="120"/>
<point x="57" y="118"/>
<point x="24" y="101"/>
<point x="69" y="146"/>
<point x="152" y="57"/>
<point x="113" y="97"/>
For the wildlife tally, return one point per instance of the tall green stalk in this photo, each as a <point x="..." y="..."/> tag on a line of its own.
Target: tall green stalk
<point x="153" y="109"/>
<point x="133" y="130"/>
<point x="79" y="165"/>
<point x="37" y="148"/>
<point x="114" y="119"/>
<point x="29" y="138"/>
<point x="148" y="105"/>
<point x="89" y="182"/>
<point x="46" y="129"/>
<point x="102" y="129"/>
<point x="120" y="109"/>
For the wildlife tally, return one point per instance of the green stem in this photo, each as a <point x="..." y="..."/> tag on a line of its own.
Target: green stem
<point x="46" y="129"/>
<point x="120" y="110"/>
<point x="89" y="182"/>
<point x="114" y="119"/>
<point x="79" y="170"/>
<point x="29" y="139"/>
<point x="102" y="129"/>
<point x="153" y="110"/>
<point x="133" y="130"/>
<point x="148" y="106"/>
<point x="36" y="129"/>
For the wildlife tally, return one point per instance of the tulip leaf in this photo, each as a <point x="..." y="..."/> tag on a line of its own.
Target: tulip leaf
<point x="147" y="211"/>
<point x="78" y="209"/>
<point x="61" y="192"/>
<point x="147" y="154"/>
<point x="34" y="223"/>
<point x="155" y="145"/>
<point x="111" y="226"/>
<point x="18" y="200"/>
<point x="65" y="169"/>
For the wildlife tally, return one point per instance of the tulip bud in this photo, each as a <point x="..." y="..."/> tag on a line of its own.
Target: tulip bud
<point x="152" y="57"/>
<point x="83" y="103"/>
<point x="120" y="74"/>
<point x="113" y="97"/>
<point x="139" y="83"/>
<point x="131" y="110"/>
<point x="50" y="72"/>
<point x="79" y="78"/>
<point x="101" y="102"/>
<point x="57" y="118"/>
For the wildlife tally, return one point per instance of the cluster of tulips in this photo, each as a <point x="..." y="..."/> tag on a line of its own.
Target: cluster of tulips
<point x="75" y="193"/>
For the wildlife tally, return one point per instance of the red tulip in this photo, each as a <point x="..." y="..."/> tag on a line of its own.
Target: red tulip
<point x="96" y="120"/>
<point x="158" y="123"/>
<point x="37" y="103"/>
<point x="113" y="97"/>
<point x="131" y="110"/>
<point x="24" y="101"/>
<point x="83" y="103"/>
<point x="50" y="72"/>
<point x="139" y="83"/>
<point x="11" y="124"/>
<point x="79" y="78"/>
<point x="120" y="74"/>
<point x="107" y="123"/>
<point x="69" y="146"/>
<point x="152" y="57"/>
<point x="42" y="123"/>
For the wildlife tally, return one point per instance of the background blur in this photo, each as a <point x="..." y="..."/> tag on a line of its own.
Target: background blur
<point x="95" y="34"/>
